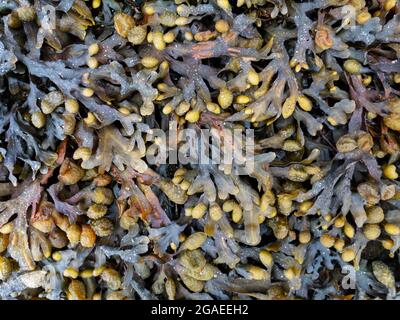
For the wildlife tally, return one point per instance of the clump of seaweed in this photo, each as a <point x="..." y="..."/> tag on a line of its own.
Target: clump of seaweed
<point x="95" y="201"/>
